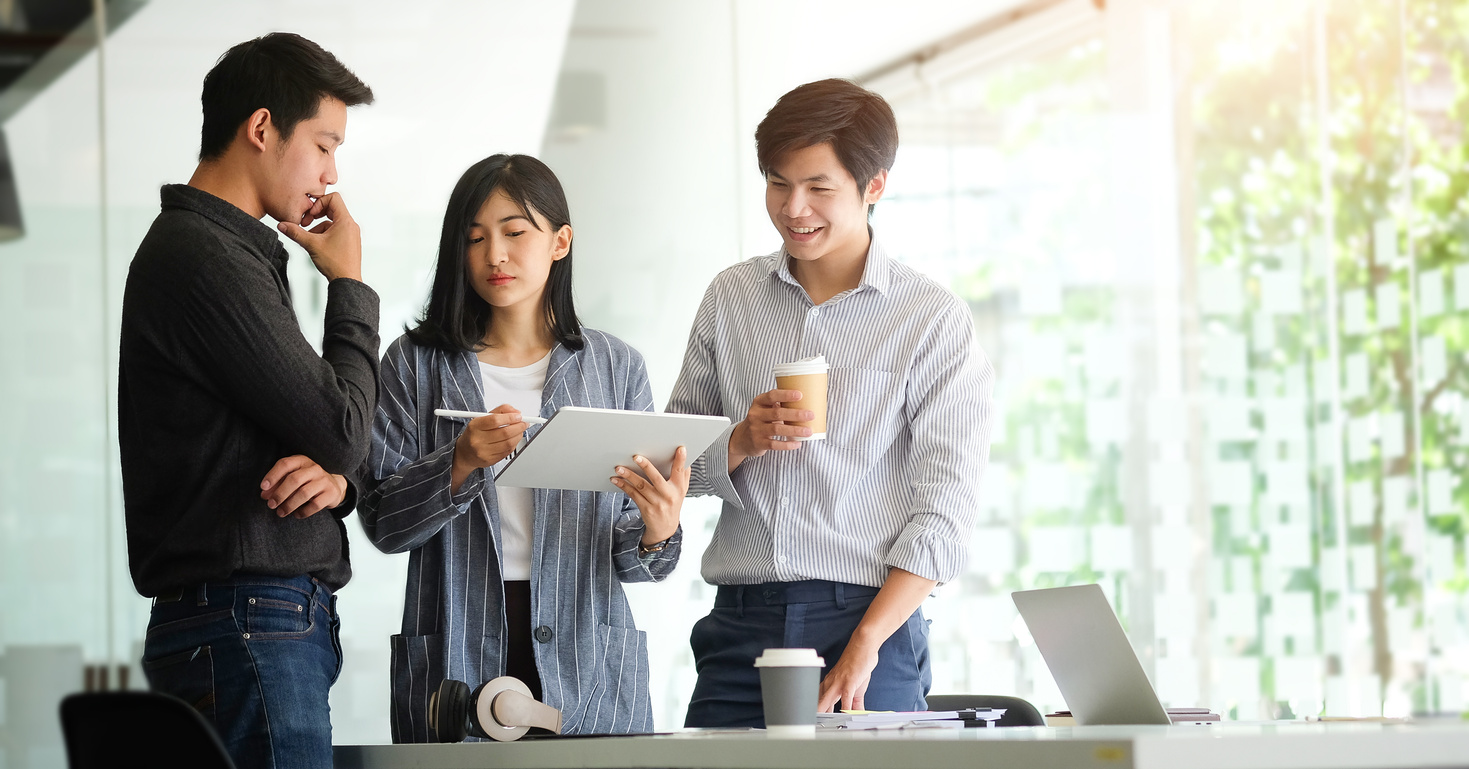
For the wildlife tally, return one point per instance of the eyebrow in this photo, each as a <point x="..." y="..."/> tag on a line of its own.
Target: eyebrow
<point x="817" y="178"/>
<point x="333" y="135"/>
<point x="509" y="218"/>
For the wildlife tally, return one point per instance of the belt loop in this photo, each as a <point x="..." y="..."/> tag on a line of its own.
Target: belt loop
<point x="740" y="601"/>
<point x="202" y="594"/>
<point x="841" y="597"/>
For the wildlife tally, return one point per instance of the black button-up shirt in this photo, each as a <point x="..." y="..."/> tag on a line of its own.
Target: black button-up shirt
<point x="216" y="383"/>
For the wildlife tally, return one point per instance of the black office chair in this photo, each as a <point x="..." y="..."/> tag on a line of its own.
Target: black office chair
<point x="1018" y="712"/>
<point x="134" y="730"/>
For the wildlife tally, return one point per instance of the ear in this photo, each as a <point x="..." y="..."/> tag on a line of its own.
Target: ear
<point x="562" y="243"/>
<point x="876" y="187"/>
<point x="259" y="129"/>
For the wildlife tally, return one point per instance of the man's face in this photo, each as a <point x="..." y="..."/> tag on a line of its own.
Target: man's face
<point x="298" y="170"/>
<point x="815" y="203"/>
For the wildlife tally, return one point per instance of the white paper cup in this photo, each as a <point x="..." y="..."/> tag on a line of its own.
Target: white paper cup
<point x="810" y="378"/>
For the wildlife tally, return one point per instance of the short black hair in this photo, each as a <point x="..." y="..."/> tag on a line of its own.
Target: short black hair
<point x="282" y="72"/>
<point x="456" y="317"/>
<point x="857" y="123"/>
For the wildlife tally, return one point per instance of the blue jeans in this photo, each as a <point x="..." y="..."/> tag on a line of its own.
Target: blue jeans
<point x="816" y="614"/>
<point x="257" y="657"/>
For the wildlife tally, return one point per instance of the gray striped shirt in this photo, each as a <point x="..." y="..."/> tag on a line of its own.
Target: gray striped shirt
<point x="896" y="482"/>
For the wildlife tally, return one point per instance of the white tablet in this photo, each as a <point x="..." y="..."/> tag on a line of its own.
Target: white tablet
<point x="579" y="449"/>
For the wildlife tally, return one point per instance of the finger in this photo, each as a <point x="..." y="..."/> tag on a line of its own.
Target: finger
<point x="650" y="470"/>
<point x="681" y="470"/>
<point x="312" y="507"/>
<point x="828" y="698"/>
<point x="303" y="494"/>
<point x="859" y="698"/>
<point x="285" y="488"/>
<point x="283" y="467"/>
<point x="297" y="234"/>
<point x="496" y="420"/>
<point x="321" y="228"/>
<point x="632" y="478"/>
<point x="638" y="497"/>
<point x="334" y="208"/>
<point x="776" y="397"/>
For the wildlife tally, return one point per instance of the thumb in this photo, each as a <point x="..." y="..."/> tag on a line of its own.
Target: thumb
<point x="295" y="232"/>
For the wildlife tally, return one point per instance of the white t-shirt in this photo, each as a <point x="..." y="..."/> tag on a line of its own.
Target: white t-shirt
<point x="521" y="388"/>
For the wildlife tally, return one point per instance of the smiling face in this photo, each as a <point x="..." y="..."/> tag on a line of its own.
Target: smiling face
<point x="815" y="204"/>
<point x="298" y="170"/>
<point x="511" y="251"/>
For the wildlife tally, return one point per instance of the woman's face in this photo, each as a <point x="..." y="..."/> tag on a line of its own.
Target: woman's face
<point x="510" y="256"/>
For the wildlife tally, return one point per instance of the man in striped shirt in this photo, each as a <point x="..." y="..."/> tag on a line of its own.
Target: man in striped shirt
<point x="831" y="544"/>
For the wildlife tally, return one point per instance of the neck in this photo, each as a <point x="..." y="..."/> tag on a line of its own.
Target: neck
<point x="225" y="179"/>
<point x="836" y="272"/>
<point x="517" y="336"/>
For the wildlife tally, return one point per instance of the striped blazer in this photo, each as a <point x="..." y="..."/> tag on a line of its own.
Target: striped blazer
<point x="594" y="666"/>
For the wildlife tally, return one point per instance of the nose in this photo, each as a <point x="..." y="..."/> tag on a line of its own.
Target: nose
<point x="797" y="204"/>
<point x="499" y="251"/>
<point x="329" y="176"/>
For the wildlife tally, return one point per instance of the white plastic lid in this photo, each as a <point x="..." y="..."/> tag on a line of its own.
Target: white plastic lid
<point x="816" y="365"/>
<point x="789" y="658"/>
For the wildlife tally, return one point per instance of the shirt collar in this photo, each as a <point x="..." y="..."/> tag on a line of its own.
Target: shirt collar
<point x="876" y="273"/>
<point x="259" y="236"/>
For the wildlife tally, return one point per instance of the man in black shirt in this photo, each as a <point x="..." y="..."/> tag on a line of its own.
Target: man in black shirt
<point x="235" y="435"/>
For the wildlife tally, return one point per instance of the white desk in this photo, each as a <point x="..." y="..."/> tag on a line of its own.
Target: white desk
<point x="1284" y="745"/>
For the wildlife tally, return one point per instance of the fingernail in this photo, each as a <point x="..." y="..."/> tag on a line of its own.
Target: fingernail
<point x="265" y="484"/>
<point x="637" y="458"/>
<point x="271" y="503"/>
<point x="616" y="480"/>
<point x="621" y="471"/>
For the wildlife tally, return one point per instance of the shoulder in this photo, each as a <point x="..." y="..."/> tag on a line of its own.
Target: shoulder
<point x="745" y="274"/>
<point x="606" y="346"/>
<point x="919" y="292"/>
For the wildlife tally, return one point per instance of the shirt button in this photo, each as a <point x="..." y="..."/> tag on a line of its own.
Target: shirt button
<point x="815" y="311"/>
<point x="785" y="501"/>
<point x="543" y="634"/>
<point x="781" y="559"/>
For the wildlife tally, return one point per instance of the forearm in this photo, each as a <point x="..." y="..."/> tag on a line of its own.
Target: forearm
<point x="900" y="596"/>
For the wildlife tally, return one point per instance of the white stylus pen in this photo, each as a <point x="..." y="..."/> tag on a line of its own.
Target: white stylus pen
<point x="451" y="413"/>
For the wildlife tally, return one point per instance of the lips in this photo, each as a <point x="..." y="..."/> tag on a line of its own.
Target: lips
<point x="804" y="234"/>
<point x="500" y="280"/>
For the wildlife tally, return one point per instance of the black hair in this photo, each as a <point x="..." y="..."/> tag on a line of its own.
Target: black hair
<point x="456" y="317"/>
<point x="282" y="72"/>
<point x="857" y="123"/>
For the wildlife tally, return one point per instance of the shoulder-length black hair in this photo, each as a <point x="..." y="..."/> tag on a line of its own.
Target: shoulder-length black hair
<point x="456" y="318"/>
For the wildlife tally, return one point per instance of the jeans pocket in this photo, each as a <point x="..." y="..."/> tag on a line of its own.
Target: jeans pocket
<point x="274" y="618"/>
<point x="188" y="675"/>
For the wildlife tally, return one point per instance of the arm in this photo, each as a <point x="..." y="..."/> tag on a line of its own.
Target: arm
<point x="846" y="682"/>
<point x="650" y="508"/>
<point x="233" y="320"/>
<point x="951" y="415"/>
<point x="697" y="392"/>
<point x="407" y="498"/>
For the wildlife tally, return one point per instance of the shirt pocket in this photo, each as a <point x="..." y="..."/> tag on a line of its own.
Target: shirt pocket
<point x="864" y="409"/>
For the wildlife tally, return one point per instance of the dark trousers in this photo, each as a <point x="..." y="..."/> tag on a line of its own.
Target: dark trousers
<point x="748" y="619"/>
<point x="257" y="657"/>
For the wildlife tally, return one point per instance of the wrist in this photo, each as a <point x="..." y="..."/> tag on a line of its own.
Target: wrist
<point x="864" y="640"/>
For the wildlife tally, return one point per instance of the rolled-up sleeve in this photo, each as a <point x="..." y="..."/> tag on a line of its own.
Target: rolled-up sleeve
<point x="951" y="413"/>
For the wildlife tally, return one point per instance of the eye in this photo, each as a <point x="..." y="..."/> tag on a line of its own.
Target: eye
<point x="476" y="240"/>
<point x="324" y="150"/>
<point x="821" y="189"/>
<point x="777" y="185"/>
<point x="515" y="234"/>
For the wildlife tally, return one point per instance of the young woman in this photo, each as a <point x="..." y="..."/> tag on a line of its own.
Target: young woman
<point x="502" y="581"/>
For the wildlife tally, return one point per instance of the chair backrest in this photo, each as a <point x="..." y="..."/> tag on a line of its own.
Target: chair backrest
<point x="1018" y="712"/>
<point x="122" y="730"/>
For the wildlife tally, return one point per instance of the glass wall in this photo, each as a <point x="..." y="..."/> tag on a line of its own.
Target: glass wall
<point x="1247" y="432"/>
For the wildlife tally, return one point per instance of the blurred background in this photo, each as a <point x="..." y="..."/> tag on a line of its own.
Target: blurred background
<point x="1217" y="250"/>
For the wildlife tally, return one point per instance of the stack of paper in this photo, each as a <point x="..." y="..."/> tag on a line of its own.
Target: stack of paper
<point x="920" y="719"/>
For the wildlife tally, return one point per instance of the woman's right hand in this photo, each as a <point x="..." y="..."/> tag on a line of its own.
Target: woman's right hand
<point x="486" y="440"/>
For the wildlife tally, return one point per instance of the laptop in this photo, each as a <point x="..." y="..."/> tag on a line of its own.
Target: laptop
<point x="1087" y="651"/>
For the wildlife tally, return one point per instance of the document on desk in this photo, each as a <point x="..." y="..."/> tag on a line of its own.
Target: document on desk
<point x="922" y="719"/>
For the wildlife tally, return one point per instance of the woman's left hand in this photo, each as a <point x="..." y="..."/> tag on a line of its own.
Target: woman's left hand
<point x="658" y="498"/>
